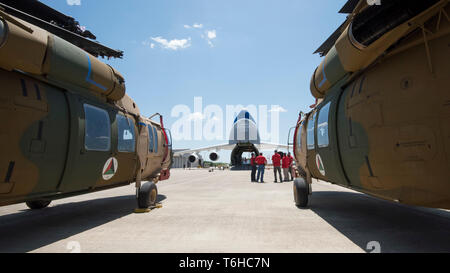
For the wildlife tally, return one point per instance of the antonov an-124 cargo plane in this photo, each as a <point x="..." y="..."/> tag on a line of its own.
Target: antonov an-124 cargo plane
<point x="244" y="137"/>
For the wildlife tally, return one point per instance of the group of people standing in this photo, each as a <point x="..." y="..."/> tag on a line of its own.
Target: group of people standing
<point x="280" y="161"/>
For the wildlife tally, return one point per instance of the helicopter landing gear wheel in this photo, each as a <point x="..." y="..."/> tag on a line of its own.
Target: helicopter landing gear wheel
<point x="147" y="196"/>
<point x="38" y="204"/>
<point x="301" y="192"/>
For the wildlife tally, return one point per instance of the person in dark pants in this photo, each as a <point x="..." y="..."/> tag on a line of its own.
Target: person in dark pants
<point x="291" y="160"/>
<point x="276" y="160"/>
<point x="261" y="161"/>
<point x="285" y="165"/>
<point x="253" y="164"/>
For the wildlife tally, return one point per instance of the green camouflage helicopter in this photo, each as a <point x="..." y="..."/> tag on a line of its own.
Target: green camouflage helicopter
<point x="381" y="124"/>
<point x="68" y="127"/>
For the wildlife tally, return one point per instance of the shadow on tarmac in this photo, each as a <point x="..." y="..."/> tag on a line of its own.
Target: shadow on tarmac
<point x="31" y="229"/>
<point x="397" y="227"/>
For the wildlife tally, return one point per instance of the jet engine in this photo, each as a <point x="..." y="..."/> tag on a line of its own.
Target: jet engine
<point x="213" y="156"/>
<point x="193" y="158"/>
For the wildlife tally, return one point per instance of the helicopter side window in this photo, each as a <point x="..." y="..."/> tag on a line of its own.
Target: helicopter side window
<point x="126" y="138"/>
<point x="310" y="132"/>
<point x="322" y="127"/>
<point x="97" y="129"/>
<point x="299" y="136"/>
<point x="169" y="137"/>
<point x="150" y="138"/>
<point x="155" y="133"/>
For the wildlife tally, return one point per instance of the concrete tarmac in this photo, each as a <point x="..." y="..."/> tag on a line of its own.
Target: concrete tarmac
<point x="222" y="211"/>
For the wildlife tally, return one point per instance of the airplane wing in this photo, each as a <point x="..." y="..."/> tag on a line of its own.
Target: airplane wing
<point x="210" y="148"/>
<point x="227" y="146"/>
<point x="270" y="146"/>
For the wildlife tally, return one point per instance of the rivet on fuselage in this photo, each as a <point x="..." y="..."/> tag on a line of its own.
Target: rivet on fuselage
<point x="406" y="83"/>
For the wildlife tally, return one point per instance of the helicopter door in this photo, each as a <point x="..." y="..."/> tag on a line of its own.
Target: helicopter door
<point x="34" y="134"/>
<point x="91" y="157"/>
<point x="311" y="145"/>
<point x="323" y="141"/>
<point x="299" y="145"/>
<point x="124" y="146"/>
<point x="328" y="166"/>
<point x="142" y="145"/>
<point x="155" y="153"/>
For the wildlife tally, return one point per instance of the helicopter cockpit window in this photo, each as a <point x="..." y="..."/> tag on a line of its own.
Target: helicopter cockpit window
<point x="3" y="32"/>
<point x="126" y="139"/>
<point x="150" y="138"/>
<point x="299" y="136"/>
<point x="169" y="137"/>
<point x="155" y="134"/>
<point x="97" y="129"/>
<point x="322" y="127"/>
<point x="310" y="132"/>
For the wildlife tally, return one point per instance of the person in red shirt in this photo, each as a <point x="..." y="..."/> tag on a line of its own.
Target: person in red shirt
<point x="290" y="165"/>
<point x="261" y="161"/>
<point x="276" y="160"/>
<point x="253" y="164"/>
<point x="286" y="162"/>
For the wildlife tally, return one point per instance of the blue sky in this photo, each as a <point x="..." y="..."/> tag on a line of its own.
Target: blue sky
<point x="261" y="53"/>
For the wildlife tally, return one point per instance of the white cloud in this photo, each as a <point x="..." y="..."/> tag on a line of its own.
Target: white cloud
<point x="210" y="36"/>
<point x="174" y="44"/>
<point x="196" y="25"/>
<point x="74" y="2"/>
<point x="277" y="108"/>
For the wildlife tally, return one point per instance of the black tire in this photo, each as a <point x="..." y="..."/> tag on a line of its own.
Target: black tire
<point x="38" y="204"/>
<point x="148" y="194"/>
<point x="301" y="192"/>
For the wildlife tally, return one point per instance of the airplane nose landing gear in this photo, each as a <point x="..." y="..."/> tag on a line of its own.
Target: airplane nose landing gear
<point x="301" y="192"/>
<point x="147" y="195"/>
